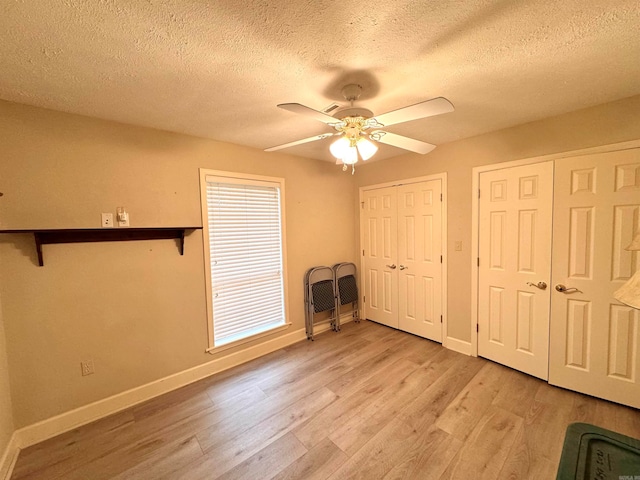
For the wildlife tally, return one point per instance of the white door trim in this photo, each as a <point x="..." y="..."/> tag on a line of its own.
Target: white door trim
<point x="438" y="176"/>
<point x="475" y="205"/>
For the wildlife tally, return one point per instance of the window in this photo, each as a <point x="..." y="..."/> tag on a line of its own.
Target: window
<point x="243" y="225"/>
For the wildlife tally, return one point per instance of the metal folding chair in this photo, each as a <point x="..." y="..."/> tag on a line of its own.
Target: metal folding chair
<point x="346" y="285"/>
<point x="319" y="296"/>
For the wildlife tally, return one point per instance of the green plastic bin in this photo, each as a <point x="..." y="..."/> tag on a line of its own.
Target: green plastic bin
<point x="593" y="453"/>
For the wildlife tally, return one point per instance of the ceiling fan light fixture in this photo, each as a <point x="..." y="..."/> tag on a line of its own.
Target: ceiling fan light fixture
<point x="366" y="148"/>
<point x="343" y="151"/>
<point x="350" y="156"/>
<point x="347" y="150"/>
<point x="339" y="148"/>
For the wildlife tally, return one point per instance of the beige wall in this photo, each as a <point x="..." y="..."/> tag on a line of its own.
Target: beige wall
<point x="136" y="308"/>
<point x="6" y="412"/>
<point x="605" y="124"/>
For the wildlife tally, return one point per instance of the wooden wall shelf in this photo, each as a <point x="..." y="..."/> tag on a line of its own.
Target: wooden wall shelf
<point x="84" y="235"/>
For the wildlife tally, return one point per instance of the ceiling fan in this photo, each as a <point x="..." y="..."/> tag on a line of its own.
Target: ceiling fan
<point x="359" y="129"/>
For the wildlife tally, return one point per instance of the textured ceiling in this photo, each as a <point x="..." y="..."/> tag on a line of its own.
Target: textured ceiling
<point x="217" y="69"/>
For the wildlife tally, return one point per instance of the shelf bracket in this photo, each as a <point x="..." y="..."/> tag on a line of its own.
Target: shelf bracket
<point x="38" y="240"/>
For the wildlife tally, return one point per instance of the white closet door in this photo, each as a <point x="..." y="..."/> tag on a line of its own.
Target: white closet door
<point x="402" y="234"/>
<point x="515" y="251"/>
<point x="420" y="259"/>
<point x="380" y="254"/>
<point x="594" y="339"/>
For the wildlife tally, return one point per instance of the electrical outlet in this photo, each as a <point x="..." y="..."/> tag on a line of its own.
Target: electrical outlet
<point x="458" y="245"/>
<point x="107" y="220"/>
<point x="87" y="367"/>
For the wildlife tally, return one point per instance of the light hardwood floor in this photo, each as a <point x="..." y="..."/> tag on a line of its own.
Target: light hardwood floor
<point x="369" y="402"/>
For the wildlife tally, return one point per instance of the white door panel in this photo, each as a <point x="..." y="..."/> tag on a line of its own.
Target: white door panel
<point x="381" y="277"/>
<point x="419" y="258"/>
<point x="515" y="249"/>
<point x="594" y="339"/>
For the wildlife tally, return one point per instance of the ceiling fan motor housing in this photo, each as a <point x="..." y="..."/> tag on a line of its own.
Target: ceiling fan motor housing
<point x="353" y="112"/>
<point x="351" y="93"/>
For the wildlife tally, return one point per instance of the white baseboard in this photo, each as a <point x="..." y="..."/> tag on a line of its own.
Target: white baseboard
<point x="459" y="346"/>
<point x="326" y="324"/>
<point x="64" y="422"/>
<point x="9" y="457"/>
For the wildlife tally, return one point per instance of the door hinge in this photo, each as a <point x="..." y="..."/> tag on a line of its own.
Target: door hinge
<point x="363" y="253"/>
<point x="477" y="328"/>
<point x="362" y="205"/>
<point x="478" y="261"/>
<point x="440" y="318"/>
<point x="440" y="258"/>
<point x="440" y="197"/>
<point x="478" y="193"/>
<point x="364" y="299"/>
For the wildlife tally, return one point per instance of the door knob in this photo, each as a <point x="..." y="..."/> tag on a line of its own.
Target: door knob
<point x="402" y="267"/>
<point x="562" y="289"/>
<point x="540" y="285"/>
<point x="392" y="266"/>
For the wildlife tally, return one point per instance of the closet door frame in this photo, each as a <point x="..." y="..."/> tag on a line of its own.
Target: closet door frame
<point x="475" y="209"/>
<point x="438" y="176"/>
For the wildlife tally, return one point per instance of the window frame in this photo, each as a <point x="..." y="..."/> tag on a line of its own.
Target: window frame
<point x="247" y="179"/>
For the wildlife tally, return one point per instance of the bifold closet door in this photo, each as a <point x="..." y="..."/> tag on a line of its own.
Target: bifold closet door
<point x="595" y="340"/>
<point x="420" y="259"/>
<point x="514" y="274"/>
<point x="380" y="252"/>
<point x="402" y="249"/>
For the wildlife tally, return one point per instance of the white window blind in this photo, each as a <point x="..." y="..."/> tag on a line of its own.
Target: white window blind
<point x="245" y="242"/>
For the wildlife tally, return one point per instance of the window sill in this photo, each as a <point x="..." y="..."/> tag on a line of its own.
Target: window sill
<point x="228" y="346"/>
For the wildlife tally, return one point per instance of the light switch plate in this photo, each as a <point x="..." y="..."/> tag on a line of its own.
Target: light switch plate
<point x="122" y="217"/>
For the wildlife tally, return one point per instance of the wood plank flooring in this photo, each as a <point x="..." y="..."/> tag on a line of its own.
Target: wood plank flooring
<point x="369" y="402"/>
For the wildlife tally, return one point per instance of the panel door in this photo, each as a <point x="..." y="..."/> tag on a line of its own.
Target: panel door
<point x="380" y="251"/>
<point x="419" y="259"/>
<point x="594" y="338"/>
<point x="515" y="221"/>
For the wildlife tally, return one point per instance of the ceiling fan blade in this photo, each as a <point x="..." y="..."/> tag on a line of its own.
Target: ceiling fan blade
<point x="299" y="142"/>
<point x="309" y="112"/>
<point x="429" y="108"/>
<point x="402" y="142"/>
